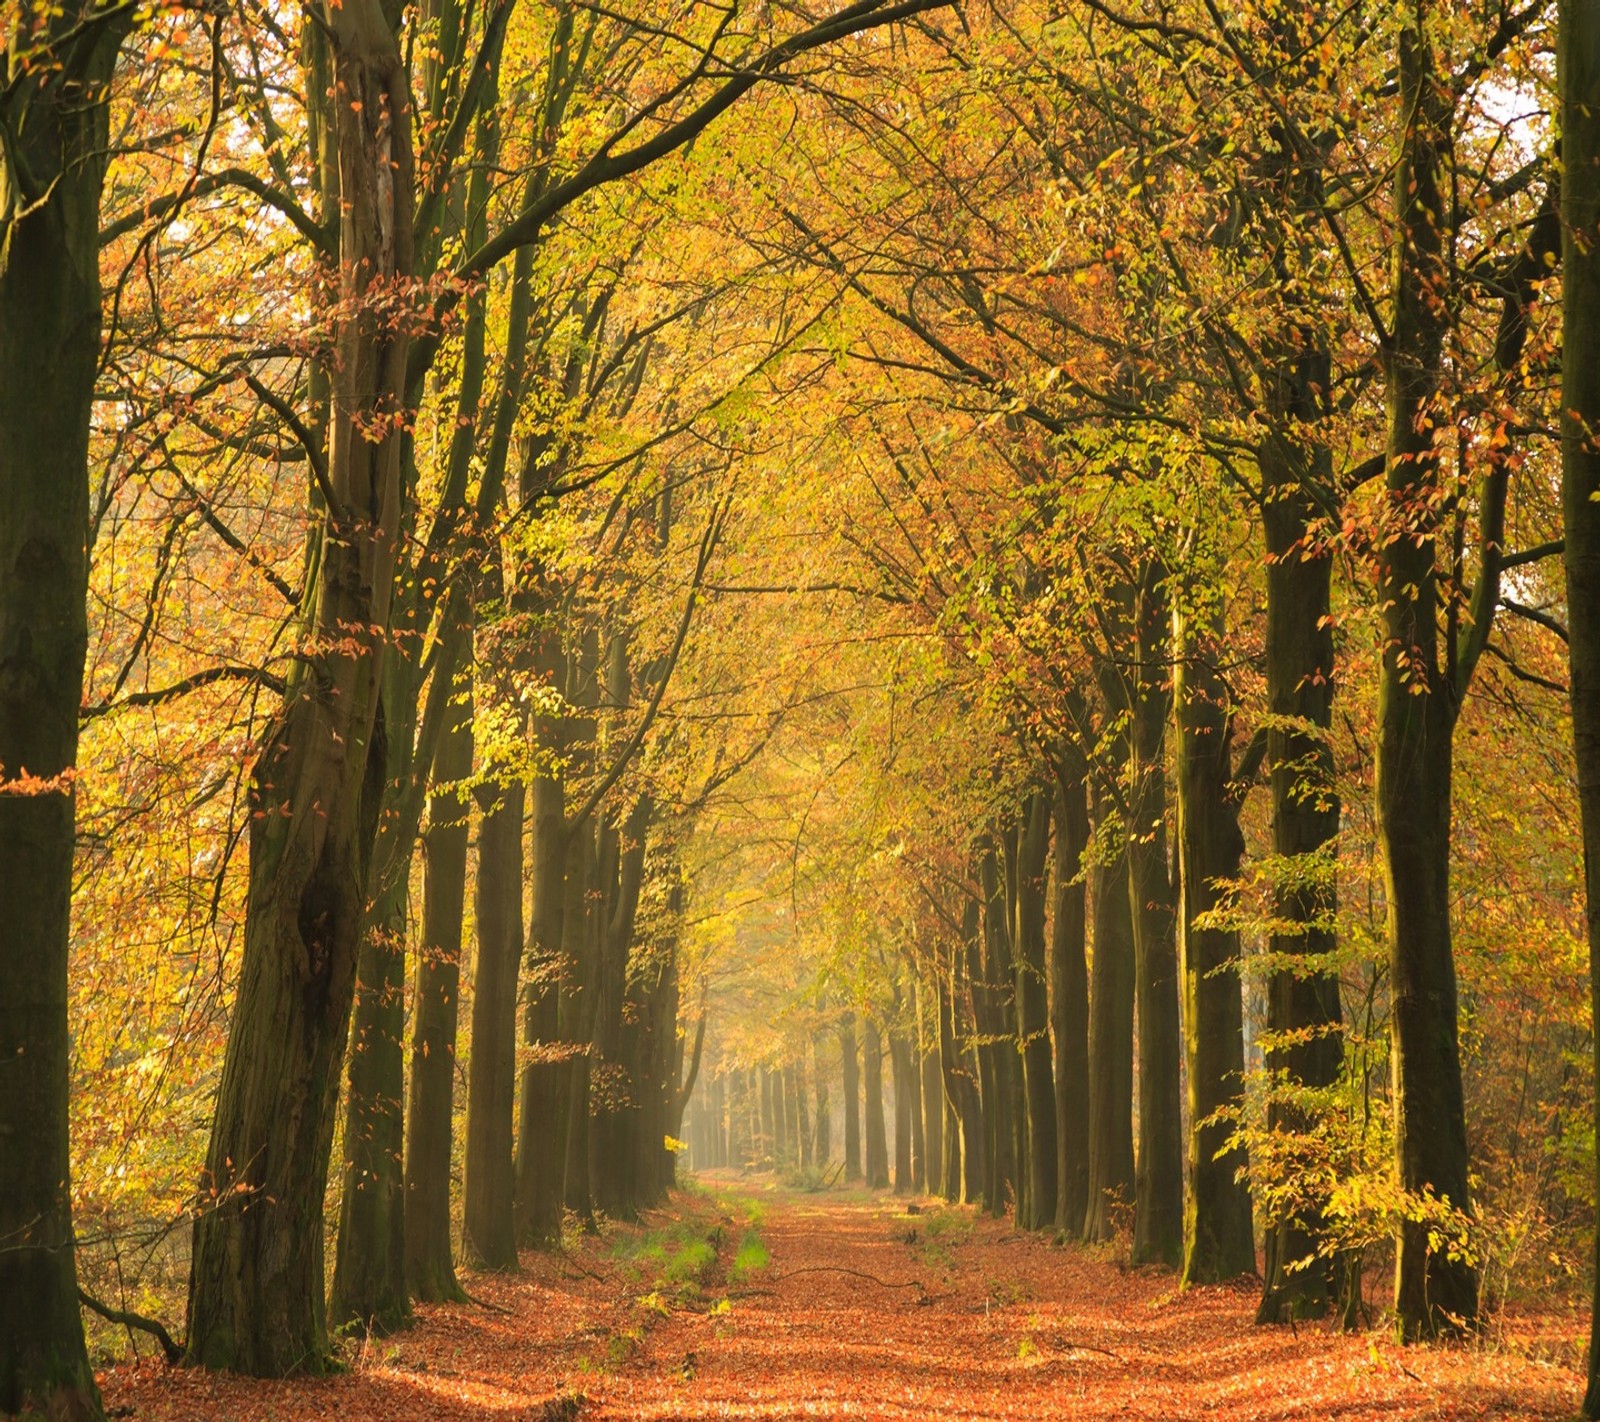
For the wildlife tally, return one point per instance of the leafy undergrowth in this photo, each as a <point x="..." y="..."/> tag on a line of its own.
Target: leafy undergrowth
<point x="846" y="1306"/>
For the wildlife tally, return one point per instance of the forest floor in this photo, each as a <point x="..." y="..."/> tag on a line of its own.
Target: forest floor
<point x="746" y="1301"/>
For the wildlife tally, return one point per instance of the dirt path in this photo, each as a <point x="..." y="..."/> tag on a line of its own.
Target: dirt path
<point x="863" y="1311"/>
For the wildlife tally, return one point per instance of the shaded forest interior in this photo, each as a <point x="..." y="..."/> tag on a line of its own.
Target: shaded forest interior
<point x="623" y="628"/>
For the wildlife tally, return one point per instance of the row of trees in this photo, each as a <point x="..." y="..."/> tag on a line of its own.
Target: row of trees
<point x="1035" y="554"/>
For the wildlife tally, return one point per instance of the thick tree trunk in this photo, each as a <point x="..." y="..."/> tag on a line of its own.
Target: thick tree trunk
<point x="430" y="1264"/>
<point x="49" y="348"/>
<point x="1416" y="714"/>
<point x="872" y="1082"/>
<point x="1033" y="1011"/>
<point x="1579" y="65"/>
<point x="852" y="1097"/>
<point x="1069" y="1001"/>
<point x="1110" y="1044"/>
<point x="255" y="1295"/>
<point x="1219" y="1232"/>
<point x="1158" y="1181"/>
<point x="488" y="1219"/>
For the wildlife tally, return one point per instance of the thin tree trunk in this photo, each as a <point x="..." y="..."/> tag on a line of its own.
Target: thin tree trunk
<point x="872" y="1081"/>
<point x="430" y="1265"/>
<point x="488" y="1219"/>
<point x="852" y="1097"/>
<point x="1110" y="1044"/>
<point x="1158" y="1180"/>
<point x="1033" y="1010"/>
<point x="1069" y="1001"/>
<point x="904" y="1098"/>
<point x="1219" y="1231"/>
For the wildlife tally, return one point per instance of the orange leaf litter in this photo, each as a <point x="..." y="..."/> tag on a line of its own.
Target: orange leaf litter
<point x="986" y="1324"/>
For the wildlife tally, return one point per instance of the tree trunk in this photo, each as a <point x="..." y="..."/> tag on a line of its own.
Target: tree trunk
<point x="904" y="1108"/>
<point x="488" y="1219"/>
<point x="877" y="1139"/>
<point x="1416" y="713"/>
<point x="1110" y="1042"/>
<point x="1579" y="64"/>
<point x="1304" y="1046"/>
<point x="993" y="993"/>
<point x="1069" y="1001"/>
<point x="932" y="1100"/>
<point x="255" y="1295"/>
<point x="369" y="1281"/>
<point x="1158" y="1181"/>
<point x="852" y="1097"/>
<point x="430" y="1265"/>
<point x="1219" y="1231"/>
<point x="49" y="348"/>
<point x="1033" y="1010"/>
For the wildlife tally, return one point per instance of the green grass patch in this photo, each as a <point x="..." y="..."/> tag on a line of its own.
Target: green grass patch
<point x="752" y="1257"/>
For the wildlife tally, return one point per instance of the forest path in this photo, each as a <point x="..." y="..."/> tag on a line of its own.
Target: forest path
<point x="860" y="1310"/>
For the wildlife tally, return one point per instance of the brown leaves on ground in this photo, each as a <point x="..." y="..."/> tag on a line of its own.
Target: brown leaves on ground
<point x="866" y="1312"/>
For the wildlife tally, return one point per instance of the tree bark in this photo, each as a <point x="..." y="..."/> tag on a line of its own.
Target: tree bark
<point x="51" y="173"/>
<point x="430" y="1264"/>
<point x="1110" y="1038"/>
<point x="900" y="1063"/>
<point x="852" y="1097"/>
<point x="1434" y="1293"/>
<point x="1033" y="1010"/>
<point x="1219" y="1231"/>
<point x="877" y="1141"/>
<point x="1305" y="1045"/>
<point x="1158" y="1181"/>
<point x="488" y="1219"/>
<point x="1069" y="1000"/>
<point x="255" y="1296"/>
<point x="1578" y="56"/>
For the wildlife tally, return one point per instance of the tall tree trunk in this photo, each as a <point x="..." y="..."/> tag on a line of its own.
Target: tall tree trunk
<point x="932" y="1102"/>
<point x="872" y="1081"/>
<point x="823" y="1116"/>
<point x="255" y="1295"/>
<point x="1033" y="1010"/>
<point x="1069" y="999"/>
<point x="1579" y="64"/>
<point x="852" y="1097"/>
<point x="51" y="172"/>
<point x="1434" y="1293"/>
<point x="904" y="1108"/>
<point x="430" y="1264"/>
<point x="1158" y="1181"/>
<point x="369" y="1282"/>
<point x="1304" y="1045"/>
<point x="1110" y="1040"/>
<point x="488" y="1220"/>
<point x="993" y="994"/>
<point x="1219" y="1231"/>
